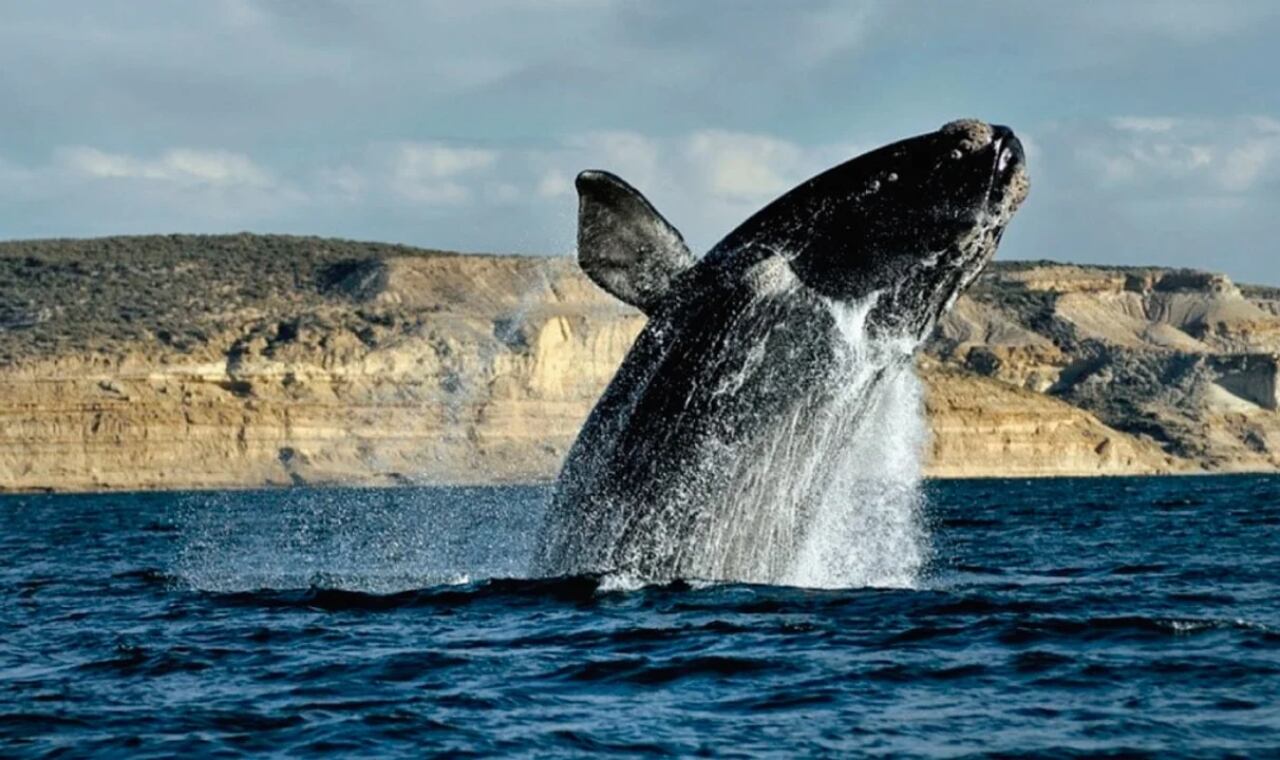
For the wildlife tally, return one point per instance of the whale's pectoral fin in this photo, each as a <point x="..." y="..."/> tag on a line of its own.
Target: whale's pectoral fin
<point x="624" y="245"/>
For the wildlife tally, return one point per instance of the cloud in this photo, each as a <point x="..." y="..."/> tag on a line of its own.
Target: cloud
<point x="460" y="194"/>
<point x="1245" y="165"/>
<point x="435" y="173"/>
<point x="704" y="181"/>
<point x="1183" y="21"/>
<point x="343" y="183"/>
<point x="554" y="183"/>
<point x="712" y="178"/>
<point x="1266" y="124"/>
<point x="743" y="167"/>
<point x="1192" y="156"/>
<point x="1180" y="190"/>
<point x="177" y="165"/>
<point x="1143" y="123"/>
<point x="630" y="154"/>
<point x="82" y="190"/>
<point x="438" y="161"/>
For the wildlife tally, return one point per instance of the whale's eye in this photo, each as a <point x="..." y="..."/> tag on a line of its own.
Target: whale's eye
<point x="957" y="154"/>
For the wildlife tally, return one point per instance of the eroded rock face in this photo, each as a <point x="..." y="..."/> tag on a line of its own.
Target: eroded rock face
<point x="1183" y="359"/>
<point x="241" y="361"/>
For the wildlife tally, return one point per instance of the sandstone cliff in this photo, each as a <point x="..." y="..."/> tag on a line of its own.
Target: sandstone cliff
<point x="194" y="362"/>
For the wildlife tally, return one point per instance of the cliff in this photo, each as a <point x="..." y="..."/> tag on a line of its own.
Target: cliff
<point x="209" y="362"/>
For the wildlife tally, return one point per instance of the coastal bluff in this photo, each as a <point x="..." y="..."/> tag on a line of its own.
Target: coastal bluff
<point x="187" y="362"/>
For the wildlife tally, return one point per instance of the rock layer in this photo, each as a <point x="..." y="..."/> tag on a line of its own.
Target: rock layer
<point x="243" y="361"/>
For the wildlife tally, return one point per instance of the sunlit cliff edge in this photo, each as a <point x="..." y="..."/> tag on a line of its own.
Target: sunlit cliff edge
<point x="173" y="362"/>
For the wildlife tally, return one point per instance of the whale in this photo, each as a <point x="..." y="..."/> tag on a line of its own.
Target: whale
<point x="738" y="379"/>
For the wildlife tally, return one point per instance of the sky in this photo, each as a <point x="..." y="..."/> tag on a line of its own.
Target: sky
<point x="1153" y="128"/>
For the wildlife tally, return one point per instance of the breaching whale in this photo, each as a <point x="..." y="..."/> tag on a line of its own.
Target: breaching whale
<point x="730" y="387"/>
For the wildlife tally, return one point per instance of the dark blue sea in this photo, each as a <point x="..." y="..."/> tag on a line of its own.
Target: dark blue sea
<point x="1058" y="618"/>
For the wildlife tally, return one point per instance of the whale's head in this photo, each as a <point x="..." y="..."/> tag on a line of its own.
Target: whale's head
<point x="912" y="223"/>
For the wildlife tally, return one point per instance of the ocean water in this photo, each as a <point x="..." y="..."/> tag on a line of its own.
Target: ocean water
<point x="1124" y="617"/>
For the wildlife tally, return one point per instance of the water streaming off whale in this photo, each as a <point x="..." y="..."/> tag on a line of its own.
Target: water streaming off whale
<point x="868" y="527"/>
<point x="827" y="495"/>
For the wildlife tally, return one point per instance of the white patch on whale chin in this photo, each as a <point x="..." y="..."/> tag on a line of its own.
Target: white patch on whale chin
<point x="851" y="317"/>
<point x="772" y="276"/>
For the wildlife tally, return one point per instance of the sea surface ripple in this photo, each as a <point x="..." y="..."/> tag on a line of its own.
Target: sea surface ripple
<point x="1127" y="617"/>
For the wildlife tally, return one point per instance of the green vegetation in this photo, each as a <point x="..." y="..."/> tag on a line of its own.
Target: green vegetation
<point x="174" y="292"/>
<point x="202" y="294"/>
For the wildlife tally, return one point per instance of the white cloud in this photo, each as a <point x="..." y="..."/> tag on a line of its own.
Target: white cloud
<point x="1266" y="124"/>
<point x="744" y="167"/>
<point x="629" y="154"/>
<point x="555" y="183"/>
<point x="1186" y="21"/>
<point x="1143" y="123"/>
<point x="435" y="160"/>
<point x="179" y="189"/>
<point x="706" y="181"/>
<point x="178" y="165"/>
<point x="1170" y="155"/>
<point x="1244" y="165"/>
<point x="214" y="167"/>
<point x="435" y="173"/>
<point x="345" y="182"/>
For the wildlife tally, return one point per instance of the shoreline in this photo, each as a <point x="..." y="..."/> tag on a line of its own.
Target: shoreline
<point x="242" y="361"/>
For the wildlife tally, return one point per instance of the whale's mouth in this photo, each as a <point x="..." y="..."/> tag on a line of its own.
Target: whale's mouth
<point x="1009" y="174"/>
<point x="1008" y="149"/>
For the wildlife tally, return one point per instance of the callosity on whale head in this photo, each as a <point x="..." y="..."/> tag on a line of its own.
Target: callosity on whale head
<point x="915" y="221"/>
